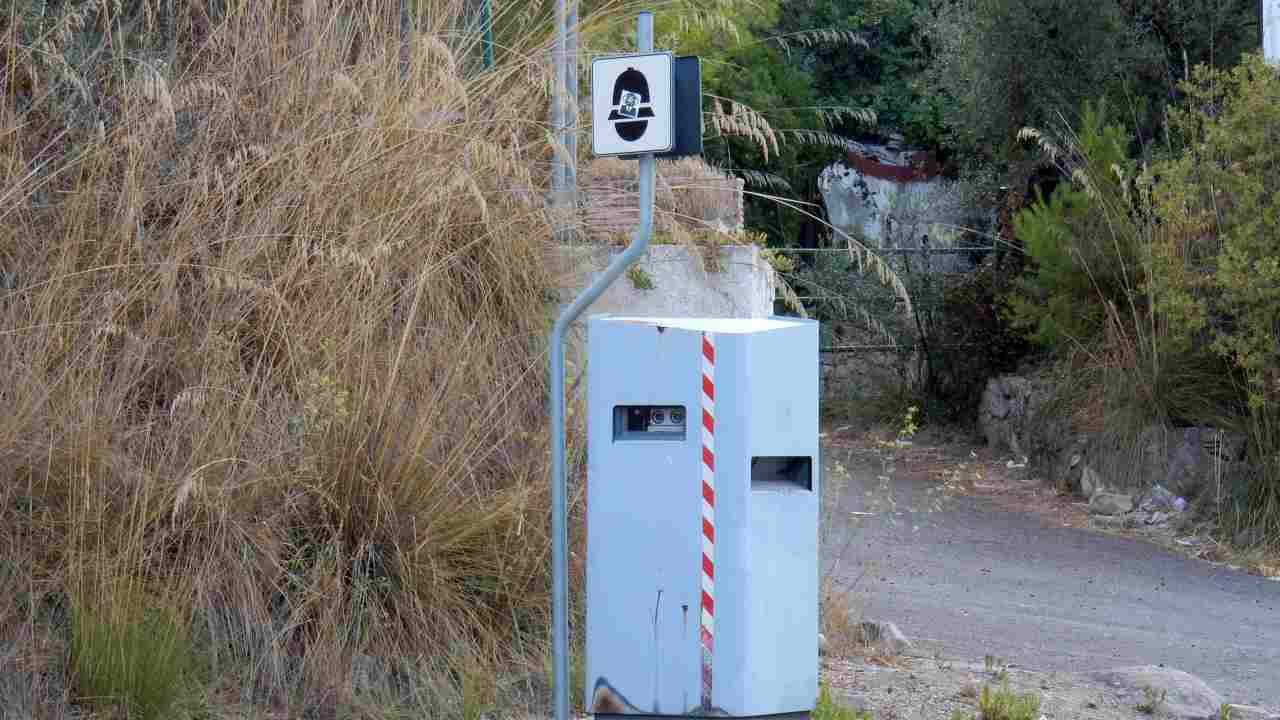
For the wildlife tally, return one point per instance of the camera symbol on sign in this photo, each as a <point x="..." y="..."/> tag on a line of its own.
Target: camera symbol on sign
<point x="631" y="109"/>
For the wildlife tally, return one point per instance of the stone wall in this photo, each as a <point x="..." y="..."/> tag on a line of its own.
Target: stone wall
<point x="1197" y="464"/>
<point x="693" y="194"/>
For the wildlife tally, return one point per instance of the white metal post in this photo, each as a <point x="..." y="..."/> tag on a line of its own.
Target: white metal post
<point x="1271" y="30"/>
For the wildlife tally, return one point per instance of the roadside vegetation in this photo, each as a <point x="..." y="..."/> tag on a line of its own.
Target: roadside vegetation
<point x="1151" y="279"/>
<point x="1129" y="262"/>
<point x="271" y="347"/>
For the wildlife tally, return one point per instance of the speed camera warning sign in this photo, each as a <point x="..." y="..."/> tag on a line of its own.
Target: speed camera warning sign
<point x="631" y="103"/>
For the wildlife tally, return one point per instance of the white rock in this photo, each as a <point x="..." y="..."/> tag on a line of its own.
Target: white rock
<point x="1090" y="482"/>
<point x="1105" y="503"/>
<point x="1186" y="697"/>
<point x="1250" y="712"/>
<point x="886" y="635"/>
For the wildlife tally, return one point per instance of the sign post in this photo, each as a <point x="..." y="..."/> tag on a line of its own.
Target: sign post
<point x="1271" y="31"/>
<point x="638" y="112"/>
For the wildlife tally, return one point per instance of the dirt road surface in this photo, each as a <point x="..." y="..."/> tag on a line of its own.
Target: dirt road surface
<point x="993" y="573"/>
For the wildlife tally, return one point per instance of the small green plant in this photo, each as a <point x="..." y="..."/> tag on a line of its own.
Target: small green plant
<point x="779" y="261"/>
<point x="961" y="715"/>
<point x="478" y="692"/>
<point x="829" y="708"/>
<point x="128" y="650"/>
<point x="640" y="279"/>
<point x="910" y="425"/>
<point x="1151" y="700"/>
<point x="1224" y="712"/>
<point x="1004" y="704"/>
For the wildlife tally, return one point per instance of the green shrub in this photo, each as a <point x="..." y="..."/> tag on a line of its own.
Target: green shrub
<point x="1216" y="256"/>
<point x="1083" y="242"/>
<point x="128" y="649"/>
<point x="1005" y="704"/>
<point x="829" y="708"/>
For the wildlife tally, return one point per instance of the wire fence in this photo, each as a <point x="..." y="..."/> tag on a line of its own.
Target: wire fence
<point x="930" y="251"/>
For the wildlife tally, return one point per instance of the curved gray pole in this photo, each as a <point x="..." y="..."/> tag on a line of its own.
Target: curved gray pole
<point x="559" y="499"/>
<point x="557" y="118"/>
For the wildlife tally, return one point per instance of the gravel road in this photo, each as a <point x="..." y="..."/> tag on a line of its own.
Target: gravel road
<point x="977" y="578"/>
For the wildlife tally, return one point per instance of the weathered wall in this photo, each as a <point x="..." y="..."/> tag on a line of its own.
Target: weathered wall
<point x="860" y="190"/>
<point x="743" y="285"/>
<point x="861" y="202"/>
<point x="689" y="192"/>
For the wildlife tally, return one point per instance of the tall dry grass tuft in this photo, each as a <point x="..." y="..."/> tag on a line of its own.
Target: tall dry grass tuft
<point x="270" y="356"/>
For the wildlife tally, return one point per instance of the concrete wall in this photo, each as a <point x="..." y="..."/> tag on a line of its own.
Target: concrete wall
<point x="742" y="287"/>
<point x="862" y="202"/>
<point x="872" y="201"/>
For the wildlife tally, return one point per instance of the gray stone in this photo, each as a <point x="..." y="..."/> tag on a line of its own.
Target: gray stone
<point x="1192" y="463"/>
<point x="1251" y="712"/>
<point x="1008" y="402"/>
<point x="1116" y="522"/>
<point x="1186" y="697"/>
<point x="1105" y="503"/>
<point x="1090" y="482"/>
<point x="1198" y="457"/>
<point x="1068" y="468"/>
<point x="1157" y="518"/>
<point x="885" y="635"/>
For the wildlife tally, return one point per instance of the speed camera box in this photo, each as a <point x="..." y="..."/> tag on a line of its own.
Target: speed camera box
<point x="702" y="517"/>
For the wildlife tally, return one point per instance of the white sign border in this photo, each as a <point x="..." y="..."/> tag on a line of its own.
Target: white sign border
<point x="596" y="122"/>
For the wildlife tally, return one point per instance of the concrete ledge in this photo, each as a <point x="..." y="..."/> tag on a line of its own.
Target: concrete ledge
<point x="742" y="286"/>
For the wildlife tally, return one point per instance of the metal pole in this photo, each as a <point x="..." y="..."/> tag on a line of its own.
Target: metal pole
<point x="570" y="116"/>
<point x="486" y="22"/>
<point x="564" y="118"/>
<point x="404" y="39"/>
<point x="1269" y="16"/>
<point x="557" y="117"/>
<point x="559" y="495"/>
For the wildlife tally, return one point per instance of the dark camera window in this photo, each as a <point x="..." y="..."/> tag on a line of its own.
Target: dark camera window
<point x="649" y="422"/>
<point x="782" y="473"/>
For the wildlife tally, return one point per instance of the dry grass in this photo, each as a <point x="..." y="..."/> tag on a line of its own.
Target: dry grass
<point x="270" y="358"/>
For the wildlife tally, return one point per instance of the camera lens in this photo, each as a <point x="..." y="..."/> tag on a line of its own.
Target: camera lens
<point x="658" y="417"/>
<point x="677" y="417"/>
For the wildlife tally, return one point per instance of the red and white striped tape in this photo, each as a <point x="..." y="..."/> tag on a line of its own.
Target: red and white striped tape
<point x="708" y="511"/>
